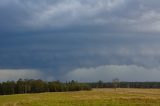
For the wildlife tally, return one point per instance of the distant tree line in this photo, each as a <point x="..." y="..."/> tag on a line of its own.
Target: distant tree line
<point x="101" y="84"/>
<point x="39" y="86"/>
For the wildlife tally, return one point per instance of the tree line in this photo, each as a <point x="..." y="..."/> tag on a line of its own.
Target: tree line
<point x="101" y="84"/>
<point x="23" y="86"/>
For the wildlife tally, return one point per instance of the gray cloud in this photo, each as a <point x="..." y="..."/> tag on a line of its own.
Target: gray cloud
<point x="59" y="36"/>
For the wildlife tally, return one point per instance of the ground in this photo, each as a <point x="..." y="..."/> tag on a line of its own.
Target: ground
<point x="96" y="97"/>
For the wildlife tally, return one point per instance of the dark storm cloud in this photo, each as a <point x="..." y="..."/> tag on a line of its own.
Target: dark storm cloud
<point x="88" y="16"/>
<point x="59" y="37"/>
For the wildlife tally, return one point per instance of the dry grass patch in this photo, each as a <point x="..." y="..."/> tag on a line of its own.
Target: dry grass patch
<point x="96" y="97"/>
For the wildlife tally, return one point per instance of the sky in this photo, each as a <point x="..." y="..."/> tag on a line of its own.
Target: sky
<point x="83" y="40"/>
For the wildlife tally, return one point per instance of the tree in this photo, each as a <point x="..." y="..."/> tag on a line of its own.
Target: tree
<point x="20" y="87"/>
<point x="100" y="84"/>
<point x="115" y="83"/>
<point x="0" y="89"/>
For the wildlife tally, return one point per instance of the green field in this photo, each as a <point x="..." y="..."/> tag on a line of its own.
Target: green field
<point x="96" y="97"/>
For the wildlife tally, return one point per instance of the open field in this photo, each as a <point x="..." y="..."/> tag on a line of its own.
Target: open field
<point x="96" y="97"/>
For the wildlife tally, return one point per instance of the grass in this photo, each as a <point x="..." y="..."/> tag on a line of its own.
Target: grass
<point x="96" y="97"/>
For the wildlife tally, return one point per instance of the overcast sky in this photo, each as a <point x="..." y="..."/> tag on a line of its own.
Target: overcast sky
<point x="84" y="40"/>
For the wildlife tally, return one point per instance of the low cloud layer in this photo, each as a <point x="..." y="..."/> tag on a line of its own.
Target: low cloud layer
<point x="15" y="74"/>
<point x="109" y="72"/>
